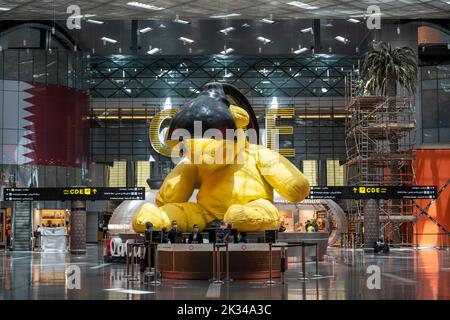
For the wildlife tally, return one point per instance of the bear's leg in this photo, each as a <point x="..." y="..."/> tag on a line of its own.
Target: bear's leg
<point x="257" y="215"/>
<point x="187" y="214"/>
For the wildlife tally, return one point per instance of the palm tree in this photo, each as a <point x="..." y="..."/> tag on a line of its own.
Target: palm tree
<point x="383" y="69"/>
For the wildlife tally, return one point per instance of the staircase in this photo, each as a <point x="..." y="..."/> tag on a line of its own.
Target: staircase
<point x="22" y="226"/>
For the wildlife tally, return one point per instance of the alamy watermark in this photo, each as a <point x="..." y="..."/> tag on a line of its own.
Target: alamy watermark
<point x="374" y="280"/>
<point x="374" y="17"/>
<point x="220" y="147"/>
<point x="73" y="277"/>
<point x="74" y="20"/>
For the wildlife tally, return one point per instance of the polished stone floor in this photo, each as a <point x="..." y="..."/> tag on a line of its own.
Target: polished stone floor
<point x="405" y="274"/>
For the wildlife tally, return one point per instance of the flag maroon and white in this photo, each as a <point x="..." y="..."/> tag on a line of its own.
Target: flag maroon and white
<point x="44" y="124"/>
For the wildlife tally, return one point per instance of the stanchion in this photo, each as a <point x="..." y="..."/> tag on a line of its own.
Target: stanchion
<point x="303" y="262"/>
<point x="218" y="265"/>
<point x="149" y="258"/>
<point x="317" y="275"/>
<point x="213" y="263"/>
<point x="127" y="260"/>
<point x="283" y="264"/>
<point x="270" y="282"/>
<point x="142" y="248"/>
<point x="155" y="281"/>
<point x="133" y="263"/>
<point x="227" y="264"/>
<point x="149" y="273"/>
<point x="317" y="260"/>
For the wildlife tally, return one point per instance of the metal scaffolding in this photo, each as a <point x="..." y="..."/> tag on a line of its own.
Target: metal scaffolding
<point x="380" y="143"/>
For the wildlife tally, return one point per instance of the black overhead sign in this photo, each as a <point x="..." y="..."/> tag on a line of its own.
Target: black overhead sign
<point x="373" y="192"/>
<point x="73" y="193"/>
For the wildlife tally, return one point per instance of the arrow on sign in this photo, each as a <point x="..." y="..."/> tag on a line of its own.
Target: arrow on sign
<point x="355" y="189"/>
<point x="94" y="191"/>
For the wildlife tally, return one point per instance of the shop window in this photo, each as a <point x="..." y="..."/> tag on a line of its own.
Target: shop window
<point x="444" y="107"/>
<point x="118" y="174"/>
<point x="335" y="173"/>
<point x="444" y="134"/>
<point x="430" y="135"/>
<point x="310" y="171"/>
<point x="142" y="174"/>
<point x="429" y="109"/>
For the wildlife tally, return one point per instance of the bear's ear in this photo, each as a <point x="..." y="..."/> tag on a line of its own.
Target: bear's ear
<point x="240" y="116"/>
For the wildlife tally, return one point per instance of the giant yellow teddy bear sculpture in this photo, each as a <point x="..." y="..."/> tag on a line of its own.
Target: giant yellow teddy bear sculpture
<point x="235" y="178"/>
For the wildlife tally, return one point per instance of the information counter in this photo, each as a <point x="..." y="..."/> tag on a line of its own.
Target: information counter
<point x="195" y="261"/>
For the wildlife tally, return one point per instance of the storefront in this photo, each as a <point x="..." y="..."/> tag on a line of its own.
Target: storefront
<point x="51" y="218"/>
<point x="5" y="226"/>
<point x="53" y="226"/>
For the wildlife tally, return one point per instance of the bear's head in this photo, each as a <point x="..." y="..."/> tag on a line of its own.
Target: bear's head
<point x="209" y="130"/>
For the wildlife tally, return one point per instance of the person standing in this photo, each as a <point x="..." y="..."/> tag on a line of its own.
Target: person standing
<point x="307" y="224"/>
<point x="175" y="234"/>
<point x="37" y="237"/>
<point x="8" y="236"/>
<point x="195" y="236"/>
<point x="243" y="237"/>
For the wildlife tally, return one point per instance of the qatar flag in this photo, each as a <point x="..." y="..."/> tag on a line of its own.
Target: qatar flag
<point x="43" y="124"/>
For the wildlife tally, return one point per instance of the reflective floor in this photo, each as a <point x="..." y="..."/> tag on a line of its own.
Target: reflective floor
<point x="405" y="274"/>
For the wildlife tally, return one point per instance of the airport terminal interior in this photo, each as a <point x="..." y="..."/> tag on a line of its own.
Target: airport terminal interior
<point x="119" y="179"/>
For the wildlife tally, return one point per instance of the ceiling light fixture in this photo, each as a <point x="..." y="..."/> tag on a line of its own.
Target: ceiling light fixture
<point x="226" y="30"/>
<point x="245" y="25"/>
<point x="4" y="9"/>
<point x="263" y="40"/>
<point x="352" y="20"/>
<point x="300" y="50"/>
<point x="227" y="51"/>
<point x="342" y="39"/>
<point x="268" y="21"/>
<point x="83" y="16"/>
<point x="307" y="30"/>
<point x="94" y="21"/>
<point x="302" y="5"/>
<point x="178" y="20"/>
<point x="145" y="30"/>
<point x="154" y="50"/>
<point x="227" y="15"/>
<point x="186" y="40"/>
<point x="144" y="6"/>
<point x="105" y="39"/>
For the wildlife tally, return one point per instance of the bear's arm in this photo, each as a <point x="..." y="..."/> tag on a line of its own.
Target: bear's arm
<point x="178" y="185"/>
<point x="282" y="175"/>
